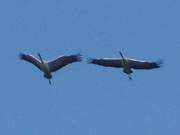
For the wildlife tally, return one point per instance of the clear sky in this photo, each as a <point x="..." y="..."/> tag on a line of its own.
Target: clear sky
<point x="87" y="99"/>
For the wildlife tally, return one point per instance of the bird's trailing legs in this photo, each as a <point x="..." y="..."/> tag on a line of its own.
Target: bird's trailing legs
<point x="121" y="55"/>
<point x="43" y="64"/>
<point x="124" y="63"/>
<point x="40" y="58"/>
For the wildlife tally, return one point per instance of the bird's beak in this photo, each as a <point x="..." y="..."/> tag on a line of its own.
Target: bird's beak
<point x="130" y="78"/>
<point x="49" y="81"/>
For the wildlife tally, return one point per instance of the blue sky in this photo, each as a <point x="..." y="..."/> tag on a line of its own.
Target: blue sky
<point x="86" y="99"/>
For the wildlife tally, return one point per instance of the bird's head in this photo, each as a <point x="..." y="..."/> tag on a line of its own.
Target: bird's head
<point x="48" y="76"/>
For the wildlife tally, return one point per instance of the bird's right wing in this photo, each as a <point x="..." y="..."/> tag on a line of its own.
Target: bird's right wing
<point x="137" y="64"/>
<point x="63" y="61"/>
<point x="31" y="59"/>
<point x="107" y="62"/>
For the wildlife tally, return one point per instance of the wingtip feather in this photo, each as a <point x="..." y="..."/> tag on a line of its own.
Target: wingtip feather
<point x="21" y="56"/>
<point x="79" y="57"/>
<point x="90" y="60"/>
<point x="160" y="63"/>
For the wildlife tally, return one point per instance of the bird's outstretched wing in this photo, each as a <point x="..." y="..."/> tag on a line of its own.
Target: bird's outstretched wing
<point x="135" y="64"/>
<point x="31" y="59"/>
<point x="62" y="61"/>
<point x="107" y="62"/>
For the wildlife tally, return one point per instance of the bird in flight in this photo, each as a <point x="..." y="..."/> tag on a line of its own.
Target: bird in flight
<point x="126" y="64"/>
<point x="47" y="67"/>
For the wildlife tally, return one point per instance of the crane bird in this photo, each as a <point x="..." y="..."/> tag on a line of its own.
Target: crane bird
<point x="47" y="67"/>
<point x="126" y="63"/>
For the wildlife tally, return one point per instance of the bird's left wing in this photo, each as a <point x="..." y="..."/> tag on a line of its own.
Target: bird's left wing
<point x="107" y="62"/>
<point x="62" y="61"/>
<point x="31" y="59"/>
<point x="136" y="64"/>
